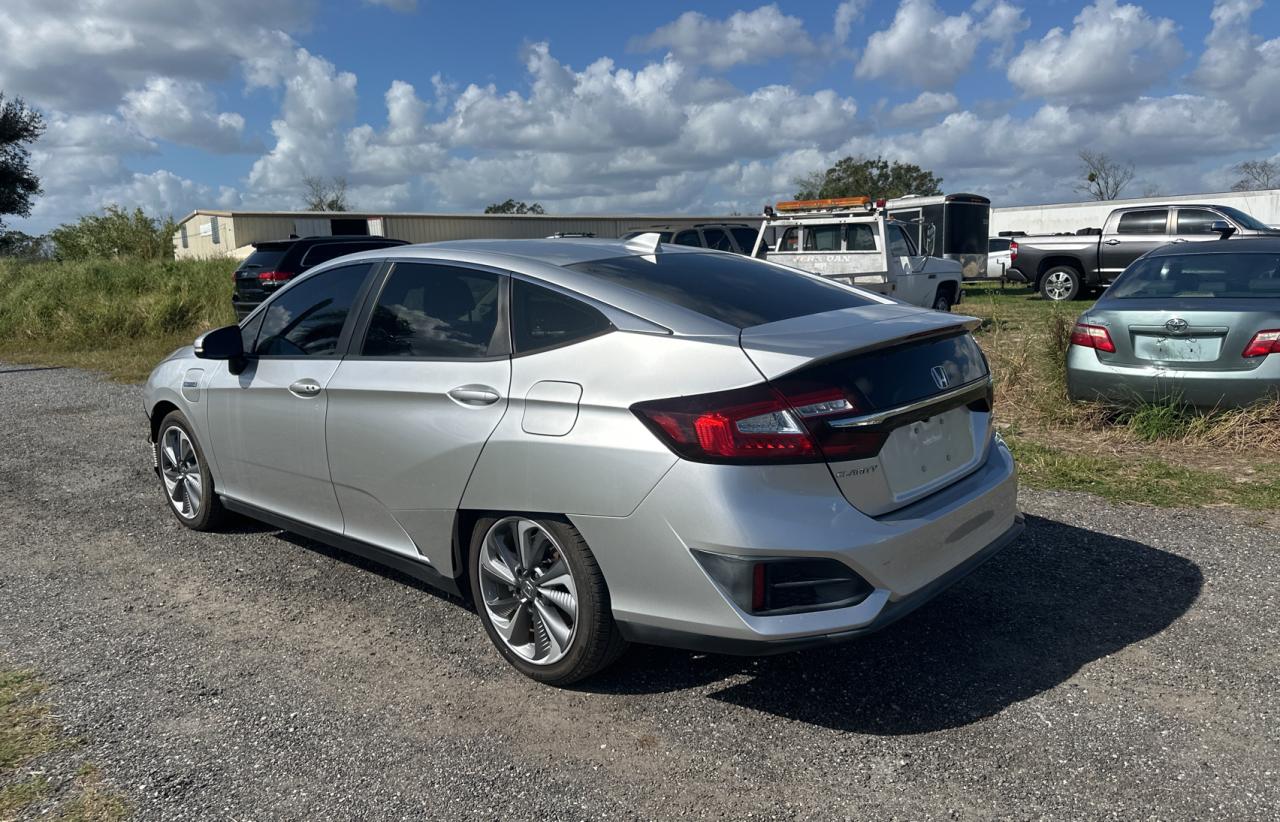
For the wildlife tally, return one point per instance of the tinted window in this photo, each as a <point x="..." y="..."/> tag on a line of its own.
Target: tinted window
<point x="1195" y="221"/>
<point x="325" y="252"/>
<point x="1200" y="275"/>
<point x="739" y="291"/>
<point x="790" y="240"/>
<point x="996" y="246"/>
<point x="434" y="311"/>
<point x="746" y="239"/>
<point x="265" y="259"/>
<point x="307" y="319"/>
<point x="967" y="228"/>
<point x="1246" y="220"/>
<point x="717" y="238"/>
<point x="1143" y="222"/>
<point x="822" y="238"/>
<point x="899" y="246"/>
<point x="860" y="237"/>
<point x="688" y="238"/>
<point x="542" y="318"/>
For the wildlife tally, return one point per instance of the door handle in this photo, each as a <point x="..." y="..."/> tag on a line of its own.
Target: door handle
<point x="305" y="388"/>
<point x="475" y="395"/>
<point x="1111" y="242"/>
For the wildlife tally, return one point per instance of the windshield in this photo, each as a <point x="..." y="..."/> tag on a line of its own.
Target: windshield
<point x="1194" y="276"/>
<point x="1247" y="220"/>
<point x="736" y="290"/>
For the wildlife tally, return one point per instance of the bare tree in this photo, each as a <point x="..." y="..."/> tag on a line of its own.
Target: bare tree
<point x="1104" y="178"/>
<point x="1256" y="175"/>
<point x="326" y="194"/>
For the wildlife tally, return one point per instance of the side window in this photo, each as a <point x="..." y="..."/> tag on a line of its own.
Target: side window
<point x="542" y="318"/>
<point x="859" y="237"/>
<point x="688" y="238"/>
<point x="435" y="311"/>
<point x="1143" y="222"/>
<point x="306" y="320"/>
<point x="790" y="239"/>
<point x="717" y="239"/>
<point x="249" y="331"/>
<point x="822" y="238"/>
<point x="997" y="246"/>
<point x="898" y="243"/>
<point x="1196" y="220"/>
<point x="746" y="239"/>
<point x="324" y="252"/>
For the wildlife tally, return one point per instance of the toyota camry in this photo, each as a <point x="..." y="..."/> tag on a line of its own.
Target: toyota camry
<point x="600" y="442"/>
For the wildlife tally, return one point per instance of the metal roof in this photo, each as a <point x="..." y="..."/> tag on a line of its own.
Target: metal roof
<point x="682" y="218"/>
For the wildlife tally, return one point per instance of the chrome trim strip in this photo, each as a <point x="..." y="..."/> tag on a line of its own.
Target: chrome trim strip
<point x="877" y="417"/>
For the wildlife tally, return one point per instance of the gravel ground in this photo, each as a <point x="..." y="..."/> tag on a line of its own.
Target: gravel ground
<point x="1118" y="663"/>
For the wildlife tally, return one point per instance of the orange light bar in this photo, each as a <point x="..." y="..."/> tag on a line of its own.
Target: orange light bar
<point x="830" y="202"/>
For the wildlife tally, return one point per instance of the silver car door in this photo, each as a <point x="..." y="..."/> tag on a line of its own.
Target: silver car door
<point x="267" y="422"/>
<point x="412" y="405"/>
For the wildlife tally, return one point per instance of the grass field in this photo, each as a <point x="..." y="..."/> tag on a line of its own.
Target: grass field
<point x="122" y="317"/>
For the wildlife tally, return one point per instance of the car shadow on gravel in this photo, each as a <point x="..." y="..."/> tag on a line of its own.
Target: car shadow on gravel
<point x="1023" y="623"/>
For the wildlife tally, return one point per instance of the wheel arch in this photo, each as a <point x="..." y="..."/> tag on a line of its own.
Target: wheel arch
<point x="1049" y="263"/>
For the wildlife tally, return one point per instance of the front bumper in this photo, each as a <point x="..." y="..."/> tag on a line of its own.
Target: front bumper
<point x="661" y="594"/>
<point x="1089" y="378"/>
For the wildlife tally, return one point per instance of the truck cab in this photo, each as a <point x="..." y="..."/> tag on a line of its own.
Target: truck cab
<point x="851" y="240"/>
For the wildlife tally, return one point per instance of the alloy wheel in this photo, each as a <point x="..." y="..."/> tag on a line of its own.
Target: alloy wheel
<point x="528" y="590"/>
<point x="180" y="470"/>
<point x="1057" y="286"/>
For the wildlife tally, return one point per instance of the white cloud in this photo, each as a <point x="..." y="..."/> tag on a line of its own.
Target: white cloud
<point x="926" y="47"/>
<point x="1238" y="65"/>
<point x="924" y="108"/>
<point x="847" y="13"/>
<point x="185" y="112"/>
<point x="403" y="6"/>
<point x="744" y="37"/>
<point x="1112" y="53"/>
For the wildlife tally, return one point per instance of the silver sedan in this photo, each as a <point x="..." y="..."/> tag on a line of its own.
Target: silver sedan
<point x="599" y="442"/>
<point x="1196" y="323"/>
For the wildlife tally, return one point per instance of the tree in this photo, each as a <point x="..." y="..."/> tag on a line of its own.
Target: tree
<point x="1104" y="178"/>
<point x="19" y="126"/>
<point x="858" y="176"/>
<point x="115" y="233"/>
<point x="326" y="194"/>
<point x="1256" y="175"/>
<point x="20" y="245"/>
<point x="514" y="207"/>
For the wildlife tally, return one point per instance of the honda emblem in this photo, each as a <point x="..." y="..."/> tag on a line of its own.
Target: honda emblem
<point x="940" y="376"/>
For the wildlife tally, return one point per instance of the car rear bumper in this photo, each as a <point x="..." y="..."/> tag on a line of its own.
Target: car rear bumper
<point x="1088" y="378"/>
<point x="662" y="595"/>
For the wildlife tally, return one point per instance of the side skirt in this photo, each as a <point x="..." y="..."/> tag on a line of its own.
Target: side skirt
<point x="391" y="559"/>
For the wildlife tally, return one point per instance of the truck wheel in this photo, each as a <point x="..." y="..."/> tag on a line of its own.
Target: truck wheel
<point x="942" y="301"/>
<point x="1061" y="283"/>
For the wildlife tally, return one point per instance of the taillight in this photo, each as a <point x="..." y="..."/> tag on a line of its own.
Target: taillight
<point x="1092" y="336"/>
<point x="1013" y="251"/>
<point x="759" y="424"/>
<point x="274" y="276"/>
<point x="1263" y="343"/>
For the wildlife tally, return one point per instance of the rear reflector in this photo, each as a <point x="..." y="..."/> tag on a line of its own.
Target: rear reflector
<point x="274" y="276"/>
<point x="760" y="424"/>
<point x="1092" y="336"/>
<point x="777" y="585"/>
<point x="1263" y="343"/>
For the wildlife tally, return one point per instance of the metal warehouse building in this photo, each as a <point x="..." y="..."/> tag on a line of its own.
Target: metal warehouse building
<point x="232" y="233"/>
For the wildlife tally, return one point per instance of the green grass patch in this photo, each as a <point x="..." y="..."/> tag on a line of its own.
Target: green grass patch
<point x="27" y="733"/>
<point x="119" y="316"/>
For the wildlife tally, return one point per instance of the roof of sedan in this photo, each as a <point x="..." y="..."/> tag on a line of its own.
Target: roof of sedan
<point x="560" y="251"/>
<point x="1257" y="244"/>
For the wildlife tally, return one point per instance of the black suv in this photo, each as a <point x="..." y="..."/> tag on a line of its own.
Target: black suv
<point x="274" y="263"/>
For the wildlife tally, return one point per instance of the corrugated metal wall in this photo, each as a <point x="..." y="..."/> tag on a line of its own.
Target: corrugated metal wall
<point x="1048" y="219"/>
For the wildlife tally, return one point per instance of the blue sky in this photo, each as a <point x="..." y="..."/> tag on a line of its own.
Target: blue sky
<point x="631" y="108"/>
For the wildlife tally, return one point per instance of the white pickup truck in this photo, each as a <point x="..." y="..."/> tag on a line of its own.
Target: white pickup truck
<point x="850" y="239"/>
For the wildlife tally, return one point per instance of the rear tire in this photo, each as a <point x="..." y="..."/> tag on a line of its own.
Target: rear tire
<point x="184" y="476"/>
<point x="1061" y="283"/>
<point x="556" y="632"/>
<point x="942" y="301"/>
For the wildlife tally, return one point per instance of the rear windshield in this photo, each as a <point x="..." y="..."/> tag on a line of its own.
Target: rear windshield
<point x="1200" y="275"/>
<point x="264" y="258"/>
<point x="736" y="290"/>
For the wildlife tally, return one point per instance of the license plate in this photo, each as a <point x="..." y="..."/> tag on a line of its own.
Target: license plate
<point x="921" y="452"/>
<point x="1177" y="349"/>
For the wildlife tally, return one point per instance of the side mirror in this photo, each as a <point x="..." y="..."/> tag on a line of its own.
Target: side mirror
<point x="1222" y="228"/>
<point x="220" y="344"/>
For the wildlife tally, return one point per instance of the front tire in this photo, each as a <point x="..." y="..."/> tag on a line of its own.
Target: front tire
<point x="1061" y="283"/>
<point x="942" y="301"/>
<point x="542" y="598"/>
<point x="184" y="475"/>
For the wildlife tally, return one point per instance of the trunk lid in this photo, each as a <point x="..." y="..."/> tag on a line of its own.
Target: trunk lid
<point x="918" y="381"/>
<point x="1184" y="335"/>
